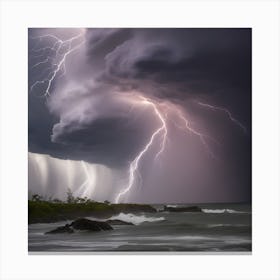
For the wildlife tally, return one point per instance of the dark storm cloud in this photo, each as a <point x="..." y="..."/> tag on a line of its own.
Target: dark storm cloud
<point x="100" y="42"/>
<point x="198" y="60"/>
<point x="178" y="64"/>
<point x="111" y="141"/>
<point x="175" y="64"/>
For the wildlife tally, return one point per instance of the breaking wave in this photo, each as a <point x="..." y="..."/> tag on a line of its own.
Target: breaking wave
<point x="135" y="219"/>
<point x="220" y="211"/>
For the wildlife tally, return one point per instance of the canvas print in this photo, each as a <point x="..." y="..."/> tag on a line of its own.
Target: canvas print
<point x="139" y="140"/>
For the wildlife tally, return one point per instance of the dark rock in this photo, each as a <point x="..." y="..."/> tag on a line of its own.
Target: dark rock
<point x="119" y="222"/>
<point x="182" y="209"/>
<point x="63" y="229"/>
<point x="85" y="224"/>
<point x="82" y="224"/>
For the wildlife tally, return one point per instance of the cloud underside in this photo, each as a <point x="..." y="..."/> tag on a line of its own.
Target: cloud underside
<point x="84" y="120"/>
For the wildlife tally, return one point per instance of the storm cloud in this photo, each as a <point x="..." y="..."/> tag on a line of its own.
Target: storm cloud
<point x="86" y="116"/>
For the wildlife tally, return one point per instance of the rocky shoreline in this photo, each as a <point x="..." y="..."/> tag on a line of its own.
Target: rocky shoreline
<point x="50" y="212"/>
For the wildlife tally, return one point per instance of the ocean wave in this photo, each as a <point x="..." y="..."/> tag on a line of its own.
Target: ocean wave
<point x="226" y="225"/>
<point x="135" y="219"/>
<point x="220" y="211"/>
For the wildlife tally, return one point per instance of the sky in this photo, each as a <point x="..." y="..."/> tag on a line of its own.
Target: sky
<point x="153" y="115"/>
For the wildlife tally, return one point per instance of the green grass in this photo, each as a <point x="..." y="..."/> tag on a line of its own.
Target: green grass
<point x="49" y="211"/>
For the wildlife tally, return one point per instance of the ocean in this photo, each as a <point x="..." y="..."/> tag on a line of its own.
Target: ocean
<point x="218" y="228"/>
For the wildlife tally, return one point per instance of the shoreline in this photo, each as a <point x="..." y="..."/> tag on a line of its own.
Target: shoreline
<point x="49" y="212"/>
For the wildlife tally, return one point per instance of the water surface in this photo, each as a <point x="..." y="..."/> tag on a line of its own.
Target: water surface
<point x="219" y="228"/>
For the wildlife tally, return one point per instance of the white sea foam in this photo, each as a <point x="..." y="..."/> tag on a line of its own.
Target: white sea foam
<point x="172" y="205"/>
<point x="135" y="219"/>
<point x="234" y="211"/>
<point x="220" y="211"/>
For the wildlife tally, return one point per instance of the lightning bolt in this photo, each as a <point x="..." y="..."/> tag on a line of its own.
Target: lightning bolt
<point x="226" y="111"/>
<point x="60" y="51"/>
<point x="88" y="182"/>
<point x="134" y="165"/>
<point x="163" y="127"/>
<point x="161" y="112"/>
<point x="203" y="138"/>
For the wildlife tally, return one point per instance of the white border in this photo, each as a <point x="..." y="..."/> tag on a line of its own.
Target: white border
<point x="262" y="16"/>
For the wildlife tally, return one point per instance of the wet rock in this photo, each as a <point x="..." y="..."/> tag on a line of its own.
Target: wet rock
<point x="119" y="222"/>
<point x="86" y="224"/>
<point x="63" y="229"/>
<point x="82" y="224"/>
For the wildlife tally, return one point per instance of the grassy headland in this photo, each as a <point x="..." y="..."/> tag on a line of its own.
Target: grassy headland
<point x="42" y="211"/>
